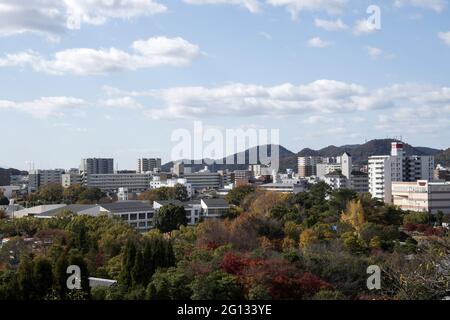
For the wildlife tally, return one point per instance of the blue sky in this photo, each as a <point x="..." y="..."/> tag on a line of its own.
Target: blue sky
<point x="127" y="73"/>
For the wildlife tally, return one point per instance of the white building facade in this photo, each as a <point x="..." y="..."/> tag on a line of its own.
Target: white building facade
<point x="397" y="167"/>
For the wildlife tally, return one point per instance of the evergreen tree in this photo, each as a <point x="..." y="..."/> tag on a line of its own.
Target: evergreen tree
<point x="42" y="278"/>
<point x="60" y="272"/>
<point x="128" y="260"/>
<point x="169" y="218"/>
<point x="77" y="259"/>
<point x="137" y="273"/>
<point x="25" y="277"/>
<point x="148" y="262"/>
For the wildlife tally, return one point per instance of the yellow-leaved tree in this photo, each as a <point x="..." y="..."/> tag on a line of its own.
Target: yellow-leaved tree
<point x="354" y="215"/>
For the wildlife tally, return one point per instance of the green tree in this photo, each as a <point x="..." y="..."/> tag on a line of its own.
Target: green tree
<point x="171" y="284"/>
<point x="80" y="234"/>
<point x="339" y="199"/>
<point x="76" y="259"/>
<point x="238" y="194"/>
<point x="42" y="277"/>
<point x="91" y="195"/>
<point x="25" y="277"/>
<point x="217" y="285"/>
<point x="169" y="218"/>
<point x="73" y="192"/>
<point x="138" y="271"/>
<point x="128" y="260"/>
<point x="180" y="192"/>
<point x="51" y="193"/>
<point x="416" y="218"/>
<point x="60" y="272"/>
<point x="9" y="287"/>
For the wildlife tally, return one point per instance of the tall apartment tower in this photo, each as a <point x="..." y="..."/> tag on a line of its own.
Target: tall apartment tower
<point x="39" y="178"/>
<point x="307" y="166"/>
<point x="383" y="170"/>
<point x="148" y="165"/>
<point x="178" y="169"/>
<point x="96" y="166"/>
<point x="346" y="165"/>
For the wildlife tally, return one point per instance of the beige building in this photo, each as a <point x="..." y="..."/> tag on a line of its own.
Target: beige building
<point x="422" y="196"/>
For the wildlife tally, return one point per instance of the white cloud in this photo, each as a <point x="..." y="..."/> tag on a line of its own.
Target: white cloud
<point x="330" y="25"/>
<point x="266" y="35"/>
<point x="363" y="27"/>
<point x="318" y="43"/>
<point x="445" y="36"/>
<point x="294" y="7"/>
<point x="55" y="16"/>
<point x="374" y="52"/>
<point x="436" y="5"/>
<point x="150" y="53"/>
<point x="44" y="107"/>
<point x="122" y="103"/>
<point x="322" y="98"/>
<point x="251" y="5"/>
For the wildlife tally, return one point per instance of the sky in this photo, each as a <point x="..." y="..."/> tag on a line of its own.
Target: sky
<point x="116" y="78"/>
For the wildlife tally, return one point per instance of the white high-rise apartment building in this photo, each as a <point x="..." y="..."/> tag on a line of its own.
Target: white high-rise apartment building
<point x="383" y="170"/>
<point x="380" y="177"/>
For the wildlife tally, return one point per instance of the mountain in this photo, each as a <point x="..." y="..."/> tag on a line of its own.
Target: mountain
<point x="359" y="152"/>
<point x="5" y="175"/>
<point x="443" y="158"/>
<point x="286" y="157"/>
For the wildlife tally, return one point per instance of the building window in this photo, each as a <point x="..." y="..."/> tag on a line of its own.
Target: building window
<point x="150" y="215"/>
<point x="141" y="216"/>
<point x="141" y="224"/>
<point x="134" y="224"/>
<point x="133" y="216"/>
<point x="125" y="217"/>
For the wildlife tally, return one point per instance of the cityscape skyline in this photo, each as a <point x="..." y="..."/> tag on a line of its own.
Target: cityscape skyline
<point x="135" y="164"/>
<point x="120" y="79"/>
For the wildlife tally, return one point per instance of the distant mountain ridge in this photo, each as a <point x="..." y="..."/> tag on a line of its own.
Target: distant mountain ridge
<point x="359" y="152"/>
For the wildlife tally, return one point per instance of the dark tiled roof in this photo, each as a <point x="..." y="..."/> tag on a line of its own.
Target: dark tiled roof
<point x="127" y="206"/>
<point x="178" y="203"/>
<point x="75" y="208"/>
<point x="216" y="203"/>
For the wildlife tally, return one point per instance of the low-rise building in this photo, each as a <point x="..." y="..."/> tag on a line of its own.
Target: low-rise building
<point x="283" y="187"/>
<point x="157" y="183"/>
<point x="138" y="214"/>
<point x="422" y="195"/>
<point x="49" y="211"/>
<point x="214" y="208"/>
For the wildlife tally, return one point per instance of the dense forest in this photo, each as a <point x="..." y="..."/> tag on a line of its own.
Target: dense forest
<point x="313" y="245"/>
